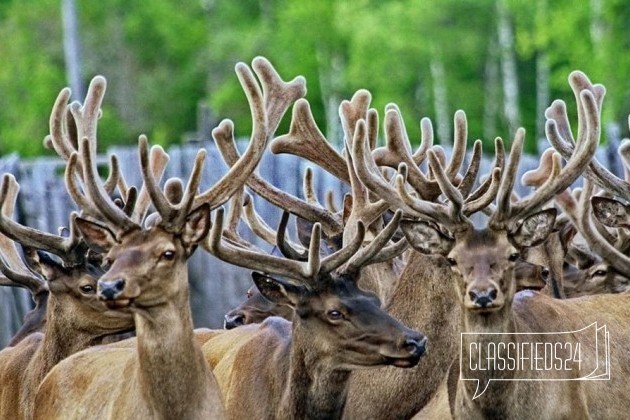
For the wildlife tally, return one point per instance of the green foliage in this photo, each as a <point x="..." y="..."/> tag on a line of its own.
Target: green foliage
<point x="163" y="58"/>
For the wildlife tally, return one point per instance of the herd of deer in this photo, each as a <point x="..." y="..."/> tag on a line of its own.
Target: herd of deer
<point x="403" y="249"/>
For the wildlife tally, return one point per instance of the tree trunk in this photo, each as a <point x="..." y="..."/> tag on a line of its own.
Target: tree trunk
<point x="491" y="92"/>
<point x="72" y="48"/>
<point x="508" y="67"/>
<point x="440" y="100"/>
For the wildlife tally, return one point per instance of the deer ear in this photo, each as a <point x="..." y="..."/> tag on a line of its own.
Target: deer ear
<point x="534" y="229"/>
<point x="43" y="263"/>
<point x="197" y="225"/>
<point x="98" y="237"/>
<point x="426" y="238"/>
<point x="610" y="212"/>
<point x="278" y="291"/>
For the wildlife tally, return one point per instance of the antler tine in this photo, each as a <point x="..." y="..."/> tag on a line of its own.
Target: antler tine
<point x="367" y="254"/>
<point x="96" y="192"/>
<point x="460" y="134"/>
<point x="426" y="141"/>
<point x="575" y="165"/>
<point x="421" y="208"/>
<point x="59" y="138"/>
<point x="336" y="259"/>
<point x="173" y="214"/>
<point x="451" y="192"/>
<point x="561" y="138"/>
<point x="302" y="271"/>
<point x="307" y="187"/>
<point x="8" y="249"/>
<point x="467" y="182"/>
<point x="267" y="108"/>
<point x="397" y="150"/>
<point x="368" y="172"/>
<point x="307" y="141"/>
<point x="361" y="207"/>
<point x="330" y="201"/>
<point x="21" y="277"/>
<point x="606" y="250"/>
<point x="278" y="94"/>
<point x="499" y="163"/>
<point x="288" y="250"/>
<point x="484" y="200"/>
<point x="507" y="183"/>
<point x="353" y="111"/>
<point x="70" y="249"/>
<point x="330" y="223"/>
<point x="256" y="223"/>
<point x="158" y="161"/>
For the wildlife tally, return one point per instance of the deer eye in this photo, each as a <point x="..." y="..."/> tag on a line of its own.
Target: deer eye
<point x="514" y="256"/>
<point x="545" y="273"/>
<point x="334" y="315"/>
<point x="168" y="255"/>
<point x="451" y="261"/>
<point x="600" y="273"/>
<point x="87" y="288"/>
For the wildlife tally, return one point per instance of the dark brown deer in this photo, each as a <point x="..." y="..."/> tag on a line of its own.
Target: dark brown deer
<point x="337" y="327"/>
<point x="165" y="374"/>
<point x="74" y="318"/>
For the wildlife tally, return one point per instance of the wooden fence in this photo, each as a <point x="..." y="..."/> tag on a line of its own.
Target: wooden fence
<point x="215" y="286"/>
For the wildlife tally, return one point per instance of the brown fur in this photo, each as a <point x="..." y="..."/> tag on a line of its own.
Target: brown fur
<point x="165" y="375"/>
<point x="75" y="321"/>
<point x="304" y="370"/>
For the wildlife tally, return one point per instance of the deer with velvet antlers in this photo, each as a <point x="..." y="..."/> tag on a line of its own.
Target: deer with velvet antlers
<point x="303" y="372"/>
<point x="165" y="374"/>
<point x="483" y="262"/>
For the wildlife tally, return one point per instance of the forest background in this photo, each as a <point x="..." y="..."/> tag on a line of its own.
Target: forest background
<point x="502" y="61"/>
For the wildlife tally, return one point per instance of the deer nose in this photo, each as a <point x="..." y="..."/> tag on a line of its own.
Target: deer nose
<point x="416" y="346"/>
<point x="110" y="289"/>
<point x="484" y="297"/>
<point x="233" y="321"/>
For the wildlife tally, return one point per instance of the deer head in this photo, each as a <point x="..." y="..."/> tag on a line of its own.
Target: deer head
<point x="483" y="259"/>
<point x="71" y="278"/>
<point x="350" y="327"/>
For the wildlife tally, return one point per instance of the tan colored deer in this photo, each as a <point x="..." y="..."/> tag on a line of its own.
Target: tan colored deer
<point x="430" y="308"/>
<point x="74" y="318"/>
<point x="421" y="295"/>
<point x="483" y="261"/>
<point x="165" y="374"/>
<point x="337" y="327"/>
<point x="585" y="271"/>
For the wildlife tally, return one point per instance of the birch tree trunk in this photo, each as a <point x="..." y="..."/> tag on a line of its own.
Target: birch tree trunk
<point x="72" y="48"/>
<point x="440" y="100"/>
<point x="492" y="93"/>
<point x="508" y="67"/>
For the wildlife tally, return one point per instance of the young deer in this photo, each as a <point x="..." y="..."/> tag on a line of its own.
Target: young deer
<point x="303" y="372"/>
<point x="165" y="374"/>
<point x="74" y="318"/>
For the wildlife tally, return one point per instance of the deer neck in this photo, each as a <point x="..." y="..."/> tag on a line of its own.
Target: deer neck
<point x="423" y="300"/>
<point x="61" y="339"/>
<point x="314" y="390"/>
<point x="484" y="332"/>
<point x="171" y="369"/>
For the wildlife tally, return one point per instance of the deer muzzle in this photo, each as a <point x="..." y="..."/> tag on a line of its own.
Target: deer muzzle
<point x="110" y="291"/>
